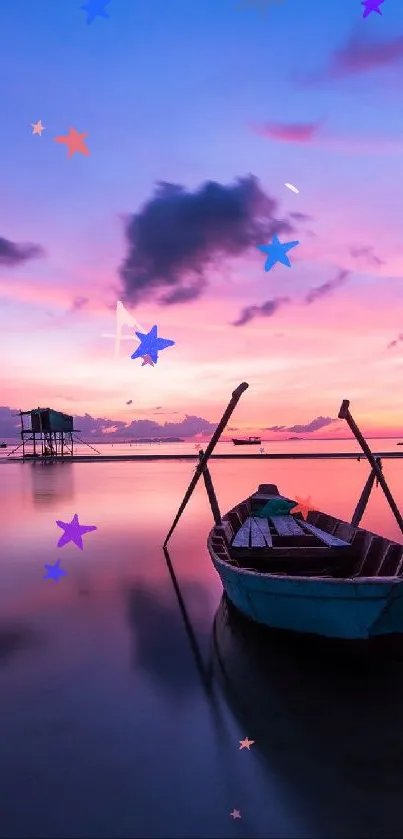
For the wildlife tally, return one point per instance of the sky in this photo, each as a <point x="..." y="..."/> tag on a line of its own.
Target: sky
<point x="196" y="115"/>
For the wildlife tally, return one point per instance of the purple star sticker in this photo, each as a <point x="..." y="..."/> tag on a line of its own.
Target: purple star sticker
<point x="73" y="532"/>
<point x="371" y="6"/>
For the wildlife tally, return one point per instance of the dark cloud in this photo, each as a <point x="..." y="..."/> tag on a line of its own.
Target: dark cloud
<point x="367" y="254"/>
<point x="178" y="234"/>
<point x="396" y="341"/>
<point x="99" y="427"/>
<point x="327" y="288"/>
<point x="12" y="254"/>
<point x="275" y="428"/>
<point x="266" y="310"/>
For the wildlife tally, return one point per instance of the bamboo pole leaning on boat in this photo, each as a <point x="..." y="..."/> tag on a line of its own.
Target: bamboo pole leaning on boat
<point x="208" y="483"/>
<point x="211" y="446"/>
<point x="344" y="413"/>
<point x="364" y="497"/>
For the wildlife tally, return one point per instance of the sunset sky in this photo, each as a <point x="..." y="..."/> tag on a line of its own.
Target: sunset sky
<point x="223" y="104"/>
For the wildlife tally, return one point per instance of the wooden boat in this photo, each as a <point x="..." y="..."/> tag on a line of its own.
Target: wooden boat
<point x="251" y="441"/>
<point x="320" y="576"/>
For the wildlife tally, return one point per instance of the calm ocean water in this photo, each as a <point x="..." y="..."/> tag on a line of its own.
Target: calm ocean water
<point x="106" y="728"/>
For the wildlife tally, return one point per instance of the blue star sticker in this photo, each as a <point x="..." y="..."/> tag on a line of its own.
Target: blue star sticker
<point x="54" y="572"/>
<point x="94" y="8"/>
<point x="277" y="252"/>
<point x="150" y="344"/>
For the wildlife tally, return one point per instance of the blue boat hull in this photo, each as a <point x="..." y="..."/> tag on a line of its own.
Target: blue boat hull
<point x="354" y="609"/>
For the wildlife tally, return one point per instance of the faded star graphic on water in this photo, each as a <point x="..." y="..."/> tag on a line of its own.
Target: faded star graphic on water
<point x="73" y="532"/>
<point x="277" y="252"/>
<point x="371" y="6"/>
<point x="150" y="344"/>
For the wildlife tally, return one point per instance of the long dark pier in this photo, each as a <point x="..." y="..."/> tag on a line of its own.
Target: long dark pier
<point x="194" y="457"/>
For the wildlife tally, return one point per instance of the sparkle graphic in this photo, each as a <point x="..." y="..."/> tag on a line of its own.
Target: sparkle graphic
<point x="277" y="252"/>
<point x="246" y="744"/>
<point x="54" y="572"/>
<point x="38" y="127"/>
<point x="371" y="6"/>
<point x="236" y="814"/>
<point x="123" y="318"/>
<point x="73" y="532"/>
<point x="95" y="8"/>
<point x="303" y="506"/>
<point x="150" y="344"/>
<point x="74" y="141"/>
<point x="292" y="187"/>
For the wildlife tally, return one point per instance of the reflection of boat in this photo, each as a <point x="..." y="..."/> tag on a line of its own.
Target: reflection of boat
<point x="251" y="441"/>
<point x="321" y="576"/>
<point x="399" y="444"/>
<point x="324" y="728"/>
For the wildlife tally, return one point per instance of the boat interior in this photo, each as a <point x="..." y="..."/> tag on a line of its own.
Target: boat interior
<point x="321" y="546"/>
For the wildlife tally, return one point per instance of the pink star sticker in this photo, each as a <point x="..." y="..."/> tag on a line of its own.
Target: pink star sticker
<point x="73" y="532"/>
<point x="147" y="360"/>
<point x="236" y="814"/>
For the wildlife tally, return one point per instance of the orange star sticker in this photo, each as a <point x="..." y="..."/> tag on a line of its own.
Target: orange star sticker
<point x="75" y="142"/>
<point x="236" y="814"/>
<point x="38" y="127"/>
<point x="304" y="506"/>
<point x="246" y="744"/>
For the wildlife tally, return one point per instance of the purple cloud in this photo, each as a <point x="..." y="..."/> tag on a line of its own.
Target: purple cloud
<point x="108" y="429"/>
<point x="266" y="310"/>
<point x="327" y="288"/>
<point x="366" y="253"/>
<point x="13" y="254"/>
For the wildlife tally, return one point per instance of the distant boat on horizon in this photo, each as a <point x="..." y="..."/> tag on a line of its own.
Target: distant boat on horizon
<point x="251" y="441"/>
<point x="3" y="445"/>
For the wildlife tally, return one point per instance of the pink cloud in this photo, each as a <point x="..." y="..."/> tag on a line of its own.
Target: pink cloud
<point x="293" y="133"/>
<point x="311" y="134"/>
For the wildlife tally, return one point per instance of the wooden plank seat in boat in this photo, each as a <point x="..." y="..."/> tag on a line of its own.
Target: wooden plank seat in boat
<point x="286" y="526"/>
<point x="281" y="545"/>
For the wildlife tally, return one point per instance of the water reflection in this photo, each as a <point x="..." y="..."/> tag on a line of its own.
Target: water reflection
<point x="160" y="645"/>
<point x="13" y="639"/>
<point x="51" y="482"/>
<point x="327" y="726"/>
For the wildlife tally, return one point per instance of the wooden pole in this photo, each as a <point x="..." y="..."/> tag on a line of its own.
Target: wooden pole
<point x="211" y="492"/>
<point x="344" y="413"/>
<point x="363" y="501"/>
<point x="211" y="446"/>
